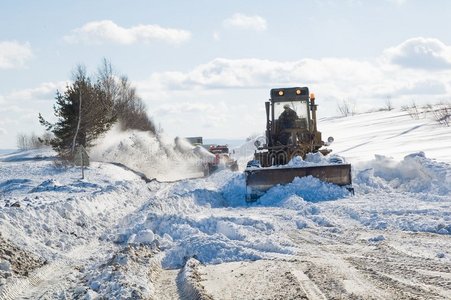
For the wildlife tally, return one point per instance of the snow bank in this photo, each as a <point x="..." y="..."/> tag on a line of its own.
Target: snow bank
<point x="316" y="159"/>
<point x="309" y="188"/>
<point x="29" y="155"/>
<point x="51" y="215"/>
<point x="60" y="212"/>
<point x="190" y="281"/>
<point x="415" y="173"/>
<point x="127" y="274"/>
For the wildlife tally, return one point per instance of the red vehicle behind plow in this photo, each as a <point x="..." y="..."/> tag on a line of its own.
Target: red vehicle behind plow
<point x="221" y="161"/>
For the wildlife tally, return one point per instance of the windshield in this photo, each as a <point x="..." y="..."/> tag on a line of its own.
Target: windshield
<point x="300" y="107"/>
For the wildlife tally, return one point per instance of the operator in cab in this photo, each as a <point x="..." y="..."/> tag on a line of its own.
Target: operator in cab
<point x="287" y="120"/>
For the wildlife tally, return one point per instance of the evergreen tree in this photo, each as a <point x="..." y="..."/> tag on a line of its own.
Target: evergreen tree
<point x="74" y="127"/>
<point x="102" y="103"/>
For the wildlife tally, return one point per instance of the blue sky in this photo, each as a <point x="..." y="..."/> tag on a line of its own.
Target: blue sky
<point x="206" y="67"/>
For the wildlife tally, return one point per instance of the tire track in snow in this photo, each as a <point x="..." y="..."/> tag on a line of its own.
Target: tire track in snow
<point x="37" y="284"/>
<point x="49" y="278"/>
<point x="166" y="285"/>
<point x="260" y="279"/>
<point x="327" y="273"/>
<point x="372" y="271"/>
<point x="406" y="276"/>
<point x="181" y="283"/>
<point x="309" y="287"/>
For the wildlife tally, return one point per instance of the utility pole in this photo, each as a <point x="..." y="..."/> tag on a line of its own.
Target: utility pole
<point x="82" y="167"/>
<point x="81" y="159"/>
<point x="78" y="125"/>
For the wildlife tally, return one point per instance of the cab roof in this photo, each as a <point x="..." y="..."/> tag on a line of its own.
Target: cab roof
<point x="289" y="94"/>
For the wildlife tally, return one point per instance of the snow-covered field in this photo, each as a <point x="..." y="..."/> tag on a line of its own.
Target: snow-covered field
<point x="114" y="236"/>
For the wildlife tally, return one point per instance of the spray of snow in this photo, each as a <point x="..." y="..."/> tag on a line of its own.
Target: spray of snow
<point x="245" y="152"/>
<point x="156" y="156"/>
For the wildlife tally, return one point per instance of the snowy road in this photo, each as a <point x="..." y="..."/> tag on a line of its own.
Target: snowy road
<point x="385" y="244"/>
<point x="344" y="251"/>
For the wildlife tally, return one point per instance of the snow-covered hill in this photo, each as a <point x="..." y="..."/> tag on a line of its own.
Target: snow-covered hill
<point x="390" y="133"/>
<point x="113" y="236"/>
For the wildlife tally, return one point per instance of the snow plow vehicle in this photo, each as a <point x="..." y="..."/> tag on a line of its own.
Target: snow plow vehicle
<point x="213" y="157"/>
<point x="222" y="160"/>
<point x="291" y="131"/>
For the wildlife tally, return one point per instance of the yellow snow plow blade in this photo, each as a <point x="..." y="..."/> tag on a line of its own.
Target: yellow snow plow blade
<point x="259" y="180"/>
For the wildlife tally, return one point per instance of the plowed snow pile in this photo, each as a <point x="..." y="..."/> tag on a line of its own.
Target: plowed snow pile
<point x="112" y="235"/>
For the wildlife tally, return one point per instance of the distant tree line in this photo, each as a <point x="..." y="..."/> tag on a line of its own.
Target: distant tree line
<point x="89" y="107"/>
<point x="441" y="112"/>
<point x="32" y="141"/>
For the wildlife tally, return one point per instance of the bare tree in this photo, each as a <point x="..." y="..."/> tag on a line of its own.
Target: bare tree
<point x="108" y="80"/>
<point x="46" y="138"/>
<point x="388" y="103"/>
<point x="34" y="141"/>
<point x="346" y="108"/>
<point x="412" y="110"/>
<point x="442" y="113"/>
<point x="26" y="142"/>
<point x="129" y="109"/>
<point x="22" y="141"/>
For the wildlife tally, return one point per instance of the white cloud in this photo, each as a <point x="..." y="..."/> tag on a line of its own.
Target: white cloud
<point x="98" y="32"/>
<point x="29" y="101"/>
<point x="210" y="114"/>
<point x="421" y="53"/>
<point x="241" y="21"/>
<point x="19" y="110"/>
<point x="12" y="109"/>
<point x="423" y="87"/>
<point x="185" y="107"/>
<point x="339" y="77"/>
<point x="223" y="73"/>
<point x="14" y="54"/>
<point x="45" y="91"/>
<point x="3" y="131"/>
<point x="191" y="97"/>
